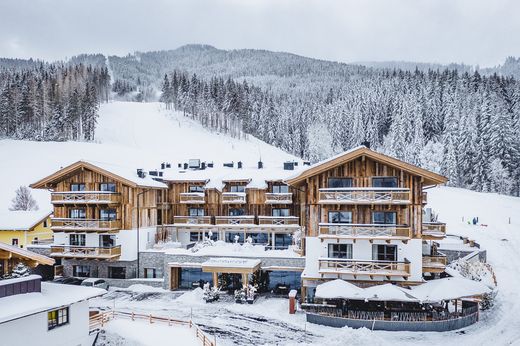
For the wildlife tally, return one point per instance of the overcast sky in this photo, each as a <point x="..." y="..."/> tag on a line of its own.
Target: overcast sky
<point x="469" y="31"/>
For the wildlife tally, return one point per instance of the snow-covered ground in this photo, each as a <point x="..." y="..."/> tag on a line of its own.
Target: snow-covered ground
<point x="267" y="321"/>
<point x="137" y="135"/>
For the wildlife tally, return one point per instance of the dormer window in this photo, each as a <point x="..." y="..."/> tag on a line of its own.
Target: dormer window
<point x="237" y="188"/>
<point x="339" y="183"/>
<point x="77" y="187"/>
<point x="384" y="182"/>
<point x="280" y="188"/>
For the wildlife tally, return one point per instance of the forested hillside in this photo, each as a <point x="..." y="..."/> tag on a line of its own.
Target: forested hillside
<point x="40" y="101"/>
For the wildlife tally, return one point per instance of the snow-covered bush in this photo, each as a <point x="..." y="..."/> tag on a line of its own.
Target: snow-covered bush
<point x="210" y="293"/>
<point x="20" y="270"/>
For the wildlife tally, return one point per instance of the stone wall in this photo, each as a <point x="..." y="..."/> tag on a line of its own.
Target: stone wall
<point x="99" y="269"/>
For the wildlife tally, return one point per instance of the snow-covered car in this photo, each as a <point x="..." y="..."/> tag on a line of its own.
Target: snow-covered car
<point x="93" y="282"/>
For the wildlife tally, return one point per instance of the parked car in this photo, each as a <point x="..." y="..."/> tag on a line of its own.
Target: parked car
<point x="93" y="282"/>
<point x="72" y="281"/>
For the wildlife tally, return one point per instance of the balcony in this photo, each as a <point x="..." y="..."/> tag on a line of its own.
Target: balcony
<point x="364" y="231"/>
<point x="81" y="225"/>
<point x="433" y="230"/>
<point x="278" y="198"/>
<point x="361" y="195"/>
<point x="192" y="220"/>
<point x="85" y="197"/>
<point x="192" y="198"/>
<point x="235" y="220"/>
<point x="339" y="266"/>
<point x="89" y="252"/>
<point x="233" y="197"/>
<point x="434" y="263"/>
<point x="278" y="220"/>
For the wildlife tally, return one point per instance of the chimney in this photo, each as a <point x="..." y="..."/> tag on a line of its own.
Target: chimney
<point x="185" y="166"/>
<point x="366" y="144"/>
<point x="260" y="165"/>
<point x="239" y="164"/>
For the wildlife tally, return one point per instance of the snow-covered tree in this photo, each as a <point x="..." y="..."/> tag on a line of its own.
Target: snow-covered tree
<point x="23" y="200"/>
<point x="320" y="142"/>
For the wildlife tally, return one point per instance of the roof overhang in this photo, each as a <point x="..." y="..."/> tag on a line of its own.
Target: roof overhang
<point x="430" y="178"/>
<point x="16" y="252"/>
<point x="231" y="265"/>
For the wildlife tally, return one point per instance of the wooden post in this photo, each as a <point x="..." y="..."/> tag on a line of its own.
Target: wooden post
<point x="215" y="279"/>
<point x="150" y="318"/>
<point x="244" y="280"/>
<point x="133" y="316"/>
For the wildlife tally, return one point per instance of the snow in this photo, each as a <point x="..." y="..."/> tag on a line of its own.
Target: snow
<point x="51" y="296"/>
<point x="221" y="248"/>
<point x="21" y="220"/>
<point x="132" y="135"/>
<point x="448" y="288"/>
<point x="143" y="333"/>
<point x="389" y="292"/>
<point x="232" y="263"/>
<point x="339" y="289"/>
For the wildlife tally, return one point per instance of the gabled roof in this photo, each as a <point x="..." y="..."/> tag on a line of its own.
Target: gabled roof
<point x="125" y="175"/>
<point x="322" y="166"/>
<point x="19" y="252"/>
<point x="22" y="220"/>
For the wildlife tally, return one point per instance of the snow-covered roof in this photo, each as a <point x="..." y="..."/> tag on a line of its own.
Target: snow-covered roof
<point x="38" y="258"/>
<point x="231" y="262"/>
<point x="448" y="288"/>
<point x="122" y="173"/>
<point x="51" y="297"/>
<point x="216" y="176"/>
<point x="21" y="220"/>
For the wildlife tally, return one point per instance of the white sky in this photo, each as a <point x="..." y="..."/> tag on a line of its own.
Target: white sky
<point x="469" y="31"/>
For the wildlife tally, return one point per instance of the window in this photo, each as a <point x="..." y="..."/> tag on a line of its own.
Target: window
<point x="340" y="251"/>
<point x="258" y="238"/>
<point x="384" y="182"/>
<point x="384" y="252"/>
<point x="291" y="280"/>
<point x="108" y="187"/>
<point x="236" y="211"/>
<point x="81" y="271"/>
<point x="77" y="213"/>
<point x="107" y="214"/>
<point x="77" y="239"/>
<point x="194" y="277"/>
<point x="280" y="212"/>
<point x="237" y="188"/>
<point x="57" y="318"/>
<point x="150" y="273"/>
<point x="211" y="235"/>
<point x="117" y="272"/>
<point x="340" y="217"/>
<point x="340" y="182"/>
<point x="197" y="188"/>
<point x="107" y="240"/>
<point x="282" y="241"/>
<point x="77" y="187"/>
<point x="45" y="225"/>
<point x="280" y="188"/>
<point x="196" y="211"/>
<point x="194" y="236"/>
<point x="230" y="237"/>
<point x="384" y="217"/>
<point x="14" y="242"/>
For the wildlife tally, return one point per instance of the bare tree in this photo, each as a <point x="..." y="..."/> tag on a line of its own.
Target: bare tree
<point x="23" y="200"/>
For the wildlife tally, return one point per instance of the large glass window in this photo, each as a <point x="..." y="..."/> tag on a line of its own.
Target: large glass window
<point x="280" y="188"/>
<point x="194" y="277"/>
<point x="196" y="211"/>
<point x="258" y="238"/>
<point x="194" y="236"/>
<point x="108" y="187"/>
<point x="384" y="217"/>
<point x="107" y="240"/>
<point x="56" y="318"/>
<point x="237" y="188"/>
<point x="340" y="251"/>
<point x="77" y="187"/>
<point x="230" y="237"/>
<point x="117" y="272"/>
<point x="236" y="211"/>
<point x="107" y="214"/>
<point x="282" y="241"/>
<point x="339" y="182"/>
<point x="384" y="182"/>
<point x="197" y="188"/>
<point x="151" y="273"/>
<point x="77" y="213"/>
<point x="340" y="217"/>
<point x="289" y="280"/>
<point x="81" y="271"/>
<point x="77" y="239"/>
<point x="280" y="212"/>
<point x="384" y="252"/>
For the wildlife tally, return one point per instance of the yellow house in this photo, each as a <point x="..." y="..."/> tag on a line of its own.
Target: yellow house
<point x="21" y="228"/>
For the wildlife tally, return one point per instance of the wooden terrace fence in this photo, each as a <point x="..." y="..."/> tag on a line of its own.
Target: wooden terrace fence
<point x="364" y="196"/>
<point x="99" y="320"/>
<point x="86" y="197"/>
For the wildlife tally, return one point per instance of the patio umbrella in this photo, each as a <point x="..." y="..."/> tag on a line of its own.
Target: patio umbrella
<point x="339" y="289"/>
<point x="389" y="292"/>
<point x="447" y="289"/>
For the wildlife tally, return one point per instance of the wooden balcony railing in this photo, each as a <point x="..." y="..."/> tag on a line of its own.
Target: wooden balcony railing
<point x="350" y="231"/>
<point x="278" y="220"/>
<point x="85" y="197"/>
<point x="433" y="230"/>
<point x="434" y="263"/>
<point x="358" y="267"/>
<point x="233" y="197"/>
<point x="278" y="198"/>
<point x="67" y="224"/>
<point x="365" y="196"/>
<point x="192" y="220"/>
<point x="235" y="220"/>
<point x="71" y="251"/>
<point x="192" y="197"/>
